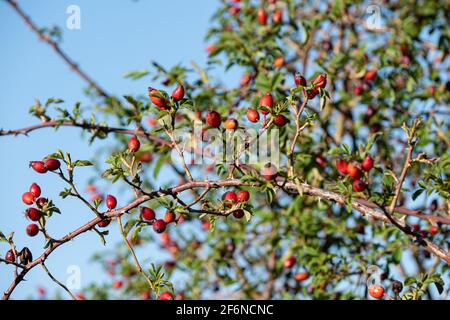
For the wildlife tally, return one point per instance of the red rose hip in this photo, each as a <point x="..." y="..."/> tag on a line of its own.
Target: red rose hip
<point x="166" y="296"/>
<point x="266" y="101"/>
<point x="230" y="196"/>
<point x="133" y="144"/>
<point x="111" y="202"/>
<point x="33" y="214"/>
<point x="39" y="166"/>
<point x="213" y="119"/>
<point x="10" y="256"/>
<point x="252" y="115"/>
<point x="52" y="164"/>
<point x="28" y="198"/>
<point x="354" y="172"/>
<point x="376" y="291"/>
<point x="178" y="93"/>
<point x="35" y="190"/>
<point x="159" y="226"/>
<point x="32" y="229"/>
<point x="359" y="185"/>
<point x="147" y="214"/>
<point x="243" y="196"/>
<point x="290" y="262"/>
<point x="367" y="163"/>
<point x="169" y="217"/>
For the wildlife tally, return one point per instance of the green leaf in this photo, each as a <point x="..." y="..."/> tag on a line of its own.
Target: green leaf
<point x="82" y="163"/>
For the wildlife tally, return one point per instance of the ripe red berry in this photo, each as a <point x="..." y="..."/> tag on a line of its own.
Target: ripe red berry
<point x="32" y="229"/>
<point x="159" y="226"/>
<point x="243" y="196"/>
<point x="213" y="119"/>
<point x="353" y="171"/>
<point x="342" y="166"/>
<point x="147" y="214"/>
<point x="10" y="256"/>
<point x="238" y="214"/>
<point x="28" y="198"/>
<point x="111" y="202"/>
<point x="169" y="217"/>
<point x="231" y="197"/>
<point x="376" y="291"/>
<point x="311" y="94"/>
<point x="269" y="172"/>
<point x="41" y="202"/>
<point x="433" y="230"/>
<point x="234" y="10"/>
<point x="178" y="93"/>
<point x="157" y="99"/>
<point x="290" y="262"/>
<point x="279" y="120"/>
<point x="299" y="80"/>
<point x="33" y="214"/>
<point x="370" y="75"/>
<point x="262" y="17"/>
<point x="359" y="185"/>
<point x="301" y="276"/>
<point x="252" y="115"/>
<point x="117" y="284"/>
<point x="266" y="101"/>
<point x="35" y="190"/>
<point x="166" y="296"/>
<point x="416" y="227"/>
<point x="133" y="144"/>
<point x="230" y="124"/>
<point x="320" y="81"/>
<point x="277" y="17"/>
<point x="39" y="166"/>
<point x="321" y="161"/>
<point x="358" y="90"/>
<point x="367" y="163"/>
<point x="52" y="164"/>
<point x="104" y="223"/>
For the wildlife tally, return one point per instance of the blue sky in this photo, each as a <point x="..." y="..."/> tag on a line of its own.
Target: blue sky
<point x="115" y="37"/>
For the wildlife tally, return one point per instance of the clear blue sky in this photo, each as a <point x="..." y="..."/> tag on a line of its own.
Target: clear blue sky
<point x="115" y="37"/>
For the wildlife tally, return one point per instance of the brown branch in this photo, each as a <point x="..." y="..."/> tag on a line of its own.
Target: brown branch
<point x="54" y="45"/>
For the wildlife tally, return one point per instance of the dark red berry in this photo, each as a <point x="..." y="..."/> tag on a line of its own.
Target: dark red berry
<point x="234" y="10"/>
<point x="32" y="229"/>
<point x="370" y="75"/>
<point x="279" y="120"/>
<point x="433" y="230"/>
<point x="147" y="214"/>
<point x="243" y="196"/>
<point x="10" y="256"/>
<point x="35" y="190"/>
<point x="252" y="115"/>
<point x="321" y="161"/>
<point x="52" y="164"/>
<point x="416" y="227"/>
<point x="277" y="17"/>
<point x="320" y="81"/>
<point x="41" y="202"/>
<point x="238" y="214"/>
<point x="104" y="223"/>
<point x="266" y="101"/>
<point x="290" y="262"/>
<point x="133" y="144"/>
<point x="28" y="198"/>
<point x="262" y="17"/>
<point x="213" y="119"/>
<point x="178" y="93"/>
<point x="166" y="296"/>
<point x="39" y="166"/>
<point x="159" y="226"/>
<point x="111" y="202"/>
<point x="33" y="214"/>
<point x="299" y="80"/>
<point x="367" y="163"/>
<point x="359" y="185"/>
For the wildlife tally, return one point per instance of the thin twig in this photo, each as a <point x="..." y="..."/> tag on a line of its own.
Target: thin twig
<point x="57" y="282"/>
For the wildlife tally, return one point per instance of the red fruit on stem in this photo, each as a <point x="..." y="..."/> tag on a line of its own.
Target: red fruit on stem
<point x="353" y="171"/>
<point x="262" y="17"/>
<point x="133" y="144"/>
<point x="234" y="10"/>
<point x="370" y="75"/>
<point x="359" y="185"/>
<point x="41" y="202"/>
<point x="52" y="164"/>
<point x="169" y="217"/>
<point x="252" y="115"/>
<point x="266" y="101"/>
<point x="39" y="166"/>
<point x="299" y="80"/>
<point x="230" y="196"/>
<point x="358" y="90"/>
<point x="367" y="163"/>
<point x="213" y="119"/>
<point x="301" y="276"/>
<point x="269" y="172"/>
<point x="416" y="227"/>
<point x="433" y="230"/>
<point x="147" y="214"/>
<point x="28" y="198"/>
<point x="277" y="17"/>
<point x="35" y="190"/>
<point x="279" y="120"/>
<point x="321" y="161"/>
<point x="311" y="94"/>
<point x="278" y="62"/>
<point x="117" y="284"/>
<point x="320" y="81"/>
<point x="111" y="202"/>
<point x="342" y="166"/>
<point x="238" y="214"/>
<point x="243" y="196"/>
<point x="178" y="93"/>
<point x="157" y="98"/>
<point x="32" y="229"/>
<point x="159" y="226"/>
<point x="290" y="262"/>
<point x="376" y="291"/>
<point x="33" y="214"/>
<point x="104" y="223"/>
<point x="245" y="80"/>
<point x="166" y="296"/>
<point x="230" y="124"/>
<point x="210" y="48"/>
<point x="10" y="256"/>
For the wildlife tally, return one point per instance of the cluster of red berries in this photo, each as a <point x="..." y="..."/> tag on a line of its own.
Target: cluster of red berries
<point x="364" y="84"/>
<point x="231" y="199"/>
<point x="159" y="225"/>
<point x="262" y="15"/>
<point x="318" y="83"/>
<point x="32" y="196"/>
<point x="432" y="230"/>
<point x="355" y="171"/>
<point x="161" y="101"/>
<point x="43" y="166"/>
